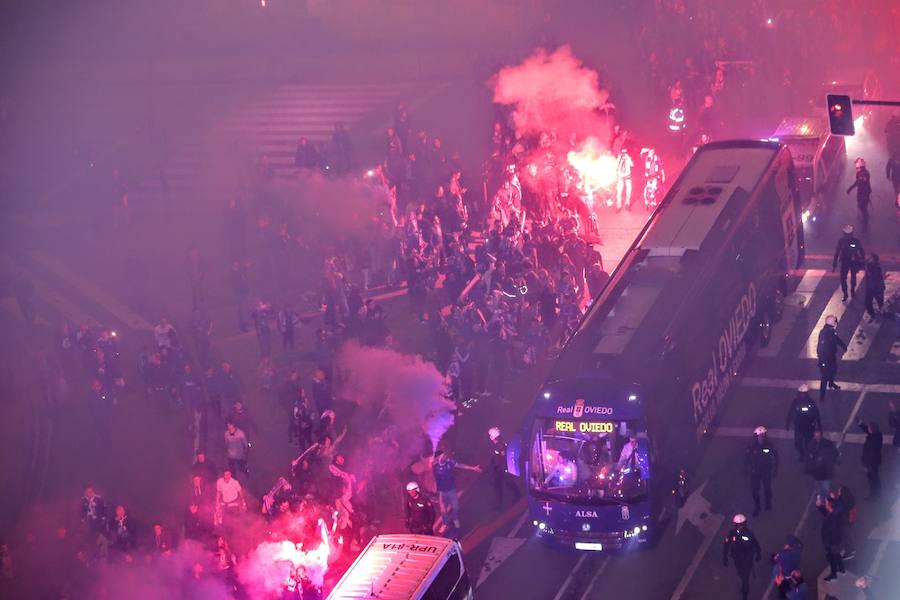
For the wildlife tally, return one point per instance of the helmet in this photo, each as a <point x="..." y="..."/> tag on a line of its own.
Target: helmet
<point x="494" y="433"/>
<point x="739" y="519"/>
<point x="803" y="388"/>
<point x="860" y="162"/>
<point x="848" y="229"/>
<point x="412" y="485"/>
<point x="831" y="320"/>
<point x="759" y="430"/>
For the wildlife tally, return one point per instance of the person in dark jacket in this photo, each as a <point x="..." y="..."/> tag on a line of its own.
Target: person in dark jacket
<point x="803" y="415"/>
<point x="761" y="463"/>
<point x="93" y="510"/>
<point x="832" y="533"/>
<point x="871" y="457"/>
<point x="874" y="283"/>
<point x="850" y="254"/>
<point x="827" y="354"/>
<point x="418" y="510"/>
<point x="894" y="422"/>
<point x="892" y="172"/>
<point x="821" y="457"/>
<point x="863" y="187"/>
<point x="848" y="508"/>
<point x="742" y="546"/>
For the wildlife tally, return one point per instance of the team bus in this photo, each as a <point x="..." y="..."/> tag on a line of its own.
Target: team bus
<point x="625" y="411"/>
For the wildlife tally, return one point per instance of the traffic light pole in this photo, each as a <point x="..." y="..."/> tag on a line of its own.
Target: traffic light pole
<point x="877" y="102"/>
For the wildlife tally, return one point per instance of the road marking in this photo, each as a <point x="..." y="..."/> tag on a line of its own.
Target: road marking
<point x="707" y="523"/>
<point x="501" y="549"/>
<point x="835" y="307"/>
<point x="596" y="576"/>
<point x="568" y="581"/>
<point x="846" y="386"/>
<point x="116" y="308"/>
<point x="477" y="536"/>
<point x="519" y="525"/>
<point x="784" y="434"/>
<point x="865" y="332"/>
<point x="794" y="306"/>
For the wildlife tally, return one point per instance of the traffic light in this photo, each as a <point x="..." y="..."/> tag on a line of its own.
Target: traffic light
<point x="840" y="114"/>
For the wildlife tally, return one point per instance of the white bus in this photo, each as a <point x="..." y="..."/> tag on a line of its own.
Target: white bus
<point x="406" y="567"/>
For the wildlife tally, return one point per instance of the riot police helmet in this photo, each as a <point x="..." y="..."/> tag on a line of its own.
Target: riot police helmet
<point x="739" y="519"/>
<point x="803" y="389"/>
<point x="493" y="433"/>
<point x="760" y="430"/>
<point x="412" y="486"/>
<point x="848" y="229"/>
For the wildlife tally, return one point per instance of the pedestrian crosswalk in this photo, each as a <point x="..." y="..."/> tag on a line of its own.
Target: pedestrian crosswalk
<point x="836" y="306"/>
<point x="819" y="295"/>
<point x="271" y="126"/>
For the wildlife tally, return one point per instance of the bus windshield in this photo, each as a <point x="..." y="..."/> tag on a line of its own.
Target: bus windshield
<point x="594" y="462"/>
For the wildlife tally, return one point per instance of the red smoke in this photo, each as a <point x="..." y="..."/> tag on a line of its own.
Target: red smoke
<point x="559" y="103"/>
<point x="553" y="93"/>
<point x="273" y="566"/>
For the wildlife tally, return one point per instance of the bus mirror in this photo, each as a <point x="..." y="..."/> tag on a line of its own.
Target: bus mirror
<point x="513" y="455"/>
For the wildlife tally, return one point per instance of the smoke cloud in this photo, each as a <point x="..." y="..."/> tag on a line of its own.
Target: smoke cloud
<point x="558" y="102"/>
<point x="406" y="389"/>
<point x="553" y="93"/>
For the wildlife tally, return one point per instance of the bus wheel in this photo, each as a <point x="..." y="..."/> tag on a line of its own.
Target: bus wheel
<point x="778" y="305"/>
<point x="765" y="329"/>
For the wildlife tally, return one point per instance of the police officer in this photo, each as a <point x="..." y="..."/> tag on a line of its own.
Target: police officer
<point x="761" y="463"/>
<point x="497" y="469"/>
<point x="827" y="354"/>
<point x="418" y="510"/>
<point x="863" y="186"/>
<point x="744" y="549"/>
<point x="804" y="416"/>
<point x="849" y="252"/>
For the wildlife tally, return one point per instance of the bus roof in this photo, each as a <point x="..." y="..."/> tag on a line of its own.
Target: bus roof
<point x="393" y="567"/>
<point x="801" y="127"/>
<point x="658" y="274"/>
<point x="704" y="191"/>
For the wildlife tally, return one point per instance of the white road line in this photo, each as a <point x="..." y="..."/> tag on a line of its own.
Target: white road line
<point x="116" y="308"/>
<point x="594" y="579"/>
<point x="698" y="558"/>
<point x="568" y="581"/>
<point x="865" y="332"/>
<point x="846" y="386"/>
<point x="784" y="434"/>
<point x="834" y="307"/>
<point x="519" y="525"/>
<point x="853" y="413"/>
<point x="795" y="304"/>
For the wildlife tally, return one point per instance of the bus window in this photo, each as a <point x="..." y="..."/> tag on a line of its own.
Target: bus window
<point x="583" y="459"/>
<point x="445" y="581"/>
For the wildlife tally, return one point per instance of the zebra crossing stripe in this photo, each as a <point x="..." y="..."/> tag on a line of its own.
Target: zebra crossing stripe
<point x="794" y="306"/>
<point x="834" y="307"/>
<point x="865" y="332"/>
